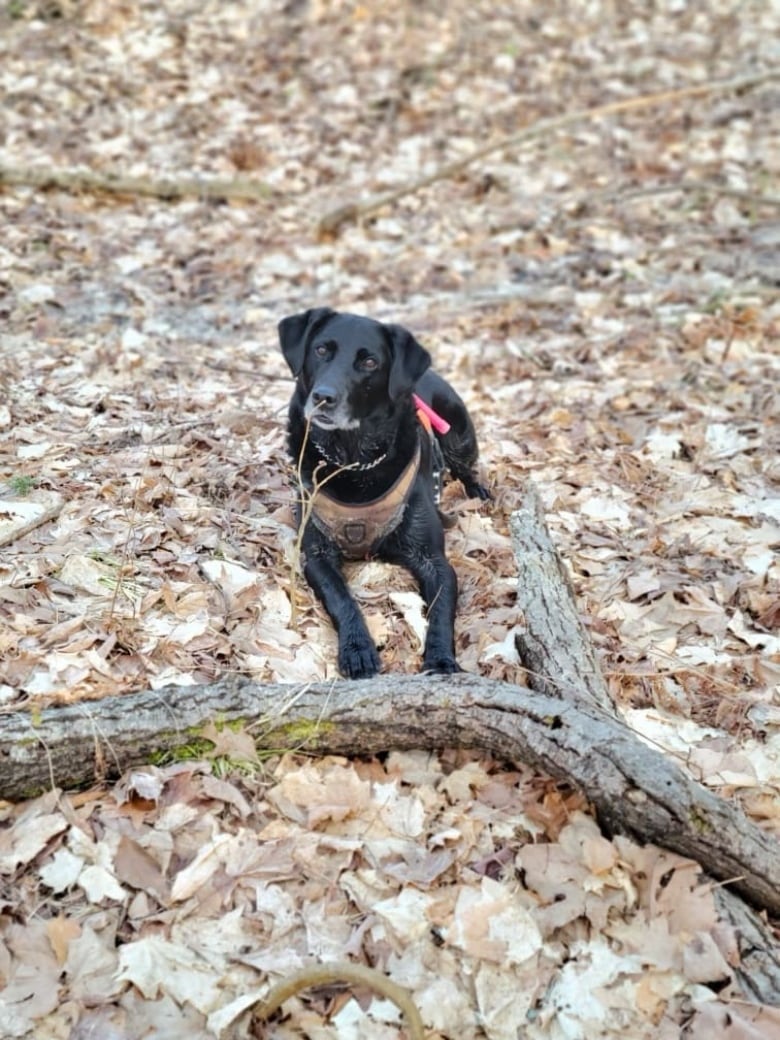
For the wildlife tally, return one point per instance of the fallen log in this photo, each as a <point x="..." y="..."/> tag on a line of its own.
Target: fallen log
<point x="758" y="970"/>
<point x="169" y="189"/>
<point x="632" y="787"/>
<point x="563" y="727"/>
<point x="554" y="646"/>
<point x="552" y="641"/>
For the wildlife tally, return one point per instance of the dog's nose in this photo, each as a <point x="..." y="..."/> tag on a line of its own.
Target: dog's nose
<point x="323" y="397"/>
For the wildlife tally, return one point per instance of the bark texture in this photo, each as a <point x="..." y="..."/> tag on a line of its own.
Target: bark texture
<point x="556" y="650"/>
<point x="565" y="726"/>
<point x="554" y="645"/>
<point x="633" y="788"/>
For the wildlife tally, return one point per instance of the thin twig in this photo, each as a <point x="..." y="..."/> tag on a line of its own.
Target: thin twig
<point x="335" y="219"/>
<point x="241" y="189"/>
<point x="237" y="189"/>
<point x="131" y="518"/>
<point x="16" y="532"/>
<point x="584" y="203"/>
<point x="308" y="497"/>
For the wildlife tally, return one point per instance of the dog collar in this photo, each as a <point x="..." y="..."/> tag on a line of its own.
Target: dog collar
<point x="353" y="467"/>
<point x="426" y="416"/>
<point x="356" y="529"/>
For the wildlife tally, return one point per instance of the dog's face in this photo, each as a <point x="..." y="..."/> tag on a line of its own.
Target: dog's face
<point x="349" y="368"/>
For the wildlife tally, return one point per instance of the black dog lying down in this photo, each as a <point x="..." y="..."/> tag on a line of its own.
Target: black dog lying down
<point x="372" y="463"/>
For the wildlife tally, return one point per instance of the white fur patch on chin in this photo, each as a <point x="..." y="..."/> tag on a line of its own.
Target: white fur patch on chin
<point x="337" y="420"/>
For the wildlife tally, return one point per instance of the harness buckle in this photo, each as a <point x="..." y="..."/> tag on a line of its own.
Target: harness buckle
<point x="354" y="533"/>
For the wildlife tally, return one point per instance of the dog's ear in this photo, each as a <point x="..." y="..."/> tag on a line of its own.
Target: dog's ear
<point x="410" y="360"/>
<point x="294" y="334"/>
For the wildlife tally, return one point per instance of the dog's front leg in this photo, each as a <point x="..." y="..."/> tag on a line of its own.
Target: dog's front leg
<point x="439" y="589"/>
<point x="358" y="658"/>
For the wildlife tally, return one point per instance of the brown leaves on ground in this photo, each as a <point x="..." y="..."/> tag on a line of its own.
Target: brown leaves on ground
<point x="605" y="299"/>
<point x="488" y="892"/>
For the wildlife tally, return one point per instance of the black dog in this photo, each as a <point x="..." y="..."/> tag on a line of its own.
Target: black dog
<point x="368" y="469"/>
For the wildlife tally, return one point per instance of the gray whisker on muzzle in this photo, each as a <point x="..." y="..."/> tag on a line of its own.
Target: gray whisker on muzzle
<point x="328" y="416"/>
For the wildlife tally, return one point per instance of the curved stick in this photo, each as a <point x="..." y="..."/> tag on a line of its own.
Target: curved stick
<point x="343" y="971"/>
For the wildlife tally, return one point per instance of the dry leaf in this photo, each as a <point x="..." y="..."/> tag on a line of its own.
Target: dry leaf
<point x="135" y="867"/>
<point x="153" y="964"/>
<point x="26" y="838"/>
<point x="61" y="931"/>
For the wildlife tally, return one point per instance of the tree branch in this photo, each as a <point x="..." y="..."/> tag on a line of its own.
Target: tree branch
<point x="564" y="728"/>
<point x="238" y="189"/>
<point x="633" y="788"/>
<point x="334" y="220"/>
<point x="553" y="644"/>
<point x="242" y="189"/>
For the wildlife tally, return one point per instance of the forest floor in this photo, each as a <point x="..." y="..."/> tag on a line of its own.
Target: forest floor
<point x="605" y="298"/>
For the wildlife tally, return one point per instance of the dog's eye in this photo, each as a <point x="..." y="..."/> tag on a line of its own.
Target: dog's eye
<point x="368" y="364"/>
<point x="321" y="350"/>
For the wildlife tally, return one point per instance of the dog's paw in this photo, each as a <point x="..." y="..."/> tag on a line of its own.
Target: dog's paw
<point x="474" y="489"/>
<point x="441" y="664"/>
<point x="358" y="660"/>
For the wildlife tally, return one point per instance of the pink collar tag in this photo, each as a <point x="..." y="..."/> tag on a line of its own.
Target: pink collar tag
<point x="439" y="424"/>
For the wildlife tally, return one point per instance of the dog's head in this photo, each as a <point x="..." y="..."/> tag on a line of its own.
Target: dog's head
<point x="349" y="368"/>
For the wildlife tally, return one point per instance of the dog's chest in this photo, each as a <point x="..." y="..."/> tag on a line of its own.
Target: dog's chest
<point x="357" y="528"/>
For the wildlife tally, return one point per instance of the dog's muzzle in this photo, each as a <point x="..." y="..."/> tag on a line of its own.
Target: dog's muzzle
<point x="326" y="409"/>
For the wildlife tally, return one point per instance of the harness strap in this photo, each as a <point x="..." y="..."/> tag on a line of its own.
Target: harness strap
<point x="429" y="420"/>
<point x="356" y="528"/>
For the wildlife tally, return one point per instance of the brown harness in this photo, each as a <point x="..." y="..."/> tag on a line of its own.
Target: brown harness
<point x="357" y="528"/>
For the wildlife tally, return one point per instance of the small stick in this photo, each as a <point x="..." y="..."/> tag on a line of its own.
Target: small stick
<point x="25" y="516"/>
<point x="336" y="218"/>
<point x="178" y="187"/>
<point x="344" y="971"/>
<point x="307" y="501"/>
